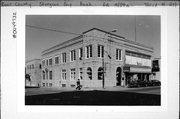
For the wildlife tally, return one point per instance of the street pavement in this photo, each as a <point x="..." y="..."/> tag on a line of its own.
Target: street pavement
<point x="147" y="90"/>
<point x="94" y="96"/>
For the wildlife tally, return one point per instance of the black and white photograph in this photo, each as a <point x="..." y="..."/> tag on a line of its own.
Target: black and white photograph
<point x="93" y="60"/>
<point x="90" y="62"/>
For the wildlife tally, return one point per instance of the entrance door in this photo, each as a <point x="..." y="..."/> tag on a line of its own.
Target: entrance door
<point x="118" y="76"/>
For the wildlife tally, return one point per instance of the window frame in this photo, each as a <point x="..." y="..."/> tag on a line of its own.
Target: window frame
<point x="81" y="73"/>
<point x="80" y="53"/>
<point x="43" y="63"/>
<point x="50" y="75"/>
<point x="89" y="73"/>
<point x="88" y="51"/>
<point x="64" y="74"/>
<point x="118" y="54"/>
<point x="63" y="57"/>
<point x="55" y="62"/>
<point x="100" y="51"/>
<point x="100" y="71"/>
<point x="44" y="75"/>
<point x="73" y="74"/>
<point x="50" y="59"/>
<point x="47" y="62"/>
<point x="72" y="55"/>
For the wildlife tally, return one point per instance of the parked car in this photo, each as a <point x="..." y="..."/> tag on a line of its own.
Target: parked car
<point x="142" y="83"/>
<point x="133" y="84"/>
<point x="155" y="82"/>
<point x="139" y="83"/>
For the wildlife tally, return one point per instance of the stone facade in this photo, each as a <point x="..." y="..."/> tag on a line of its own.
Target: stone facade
<point x="33" y="70"/>
<point x="101" y="51"/>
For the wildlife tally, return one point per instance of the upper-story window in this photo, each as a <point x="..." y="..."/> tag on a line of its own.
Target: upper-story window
<point x="40" y="66"/>
<point x="47" y="62"/>
<point x="73" y="55"/>
<point x="50" y="75"/>
<point x="56" y="60"/>
<point x="88" y="51"/>
<point x="100" y="51"/>
<point x="63" y="57"/>
<point x="50" y="61"/>
<point x="80" y="53"/>
<point x="32" y="66"/>
<point x="44" y="75"/>
<point x="118" y="54"/>
<point x="43" y="63"/>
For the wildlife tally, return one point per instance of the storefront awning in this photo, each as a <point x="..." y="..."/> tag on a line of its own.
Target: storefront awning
<point x="136" y="69"/>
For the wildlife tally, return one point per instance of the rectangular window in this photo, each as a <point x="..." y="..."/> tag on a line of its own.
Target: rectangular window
<point x="44" y="84"/>
<point x="56" y="60"/>
<point x="73" y="73"/>
<point x="50" y="62"/>
<point x="63" y="57"/>
<point x="81" y="73"/>
<point x="89" y="51"/>
<point x="63" y="85"/>
<point x="46" y="62"/>
<point x="50" y="84"/>
<point x="32" y="66"/>
<point x="64" y="74"/>
<point x="73" y="55"/>
<point x="118" y="54"/>
<point x="47" y="75"/>
<point x="50" y="75"/>
<point x="80" y="53"/>
<point x="100" y="51"/>
<point x="43" y="75"/>
<point x="43" y="63"/>
<point x="40" y="66"/>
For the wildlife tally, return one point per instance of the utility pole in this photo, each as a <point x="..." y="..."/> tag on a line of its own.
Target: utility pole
<point x="135" y="28"/>
<point x="103" y="66"/>
<point x="103" y="71"/>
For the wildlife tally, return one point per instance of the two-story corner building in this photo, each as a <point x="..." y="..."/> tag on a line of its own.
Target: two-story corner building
<point x="33" y="73"/>
<point x="89" y="55"/>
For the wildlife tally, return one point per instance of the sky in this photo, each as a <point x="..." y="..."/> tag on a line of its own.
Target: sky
<point x="37" y="40"/>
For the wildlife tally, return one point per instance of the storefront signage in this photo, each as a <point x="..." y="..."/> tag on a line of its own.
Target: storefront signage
<point x="126" y="69"/>
<point x="140" y="70"/>
<point x="131" y="60"/>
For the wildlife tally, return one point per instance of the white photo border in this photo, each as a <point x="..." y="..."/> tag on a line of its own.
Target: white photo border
<point x="89" y="11"/>
<point x="169" y="66"/>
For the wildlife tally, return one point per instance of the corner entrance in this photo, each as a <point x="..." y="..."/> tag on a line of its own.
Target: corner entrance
<point x="118" y="76"/>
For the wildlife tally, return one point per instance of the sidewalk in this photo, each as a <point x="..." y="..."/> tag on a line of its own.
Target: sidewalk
<point x="38" y="91"/>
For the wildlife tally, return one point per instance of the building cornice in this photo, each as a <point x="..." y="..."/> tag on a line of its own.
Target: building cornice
<point x="32" y="60"/>
<point x="59" y="46"/>
<point x="121" y="38"/>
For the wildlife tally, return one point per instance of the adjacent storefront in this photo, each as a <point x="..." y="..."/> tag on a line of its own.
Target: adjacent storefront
<point x="137" y="67"/>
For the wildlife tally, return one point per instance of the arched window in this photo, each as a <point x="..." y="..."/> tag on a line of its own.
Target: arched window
<point x="89" y="73"/>
<point x="100" y="73"/>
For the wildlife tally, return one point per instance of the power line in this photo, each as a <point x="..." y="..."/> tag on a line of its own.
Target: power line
<point x="48" y="29"/>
